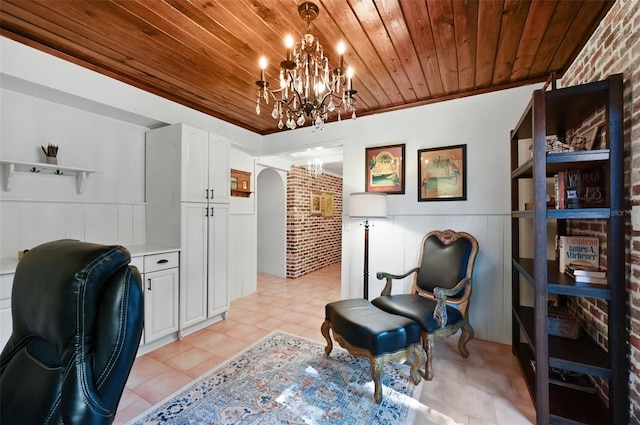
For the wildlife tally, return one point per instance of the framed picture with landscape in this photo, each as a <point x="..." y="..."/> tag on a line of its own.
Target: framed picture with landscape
<point x="442" y="174"/>
<point x="384" y="169"/>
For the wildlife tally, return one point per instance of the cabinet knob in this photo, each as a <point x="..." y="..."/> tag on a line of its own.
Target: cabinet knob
<point x="149" y="286"/>
<point x="164" y="260"/>
<point x="206" y="194"/>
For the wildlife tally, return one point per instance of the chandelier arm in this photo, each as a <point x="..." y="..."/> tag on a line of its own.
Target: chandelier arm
<point x="286" y="105"/>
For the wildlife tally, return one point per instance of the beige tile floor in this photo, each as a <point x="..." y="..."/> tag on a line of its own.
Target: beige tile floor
<point x="486" y="388"/>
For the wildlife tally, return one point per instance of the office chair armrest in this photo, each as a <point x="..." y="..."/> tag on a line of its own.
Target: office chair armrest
<point x="441" y="294"/>
<point x="384" y="275"/>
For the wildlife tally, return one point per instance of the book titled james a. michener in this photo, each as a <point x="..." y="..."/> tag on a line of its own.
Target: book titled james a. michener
<point x="578" y="251"/>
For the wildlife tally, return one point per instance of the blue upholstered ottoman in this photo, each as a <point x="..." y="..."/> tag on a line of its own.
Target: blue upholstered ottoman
<point x="365" y="330"/>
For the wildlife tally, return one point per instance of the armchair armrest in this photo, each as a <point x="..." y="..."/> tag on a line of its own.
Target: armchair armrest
<point x="441" y="294"/>
<point x="384" y="275"/>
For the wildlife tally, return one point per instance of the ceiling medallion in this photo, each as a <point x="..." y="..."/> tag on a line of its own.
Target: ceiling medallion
<point x="308" y="87"/>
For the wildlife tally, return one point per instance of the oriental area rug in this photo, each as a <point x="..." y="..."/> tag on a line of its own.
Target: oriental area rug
<point x="285" y="379"/>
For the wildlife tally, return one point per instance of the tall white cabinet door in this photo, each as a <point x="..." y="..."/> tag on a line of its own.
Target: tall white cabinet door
<point x="193" y="263"/>
<point x="219" y="170"/>
<point x="160" y="306"/>
<point x="218" y="300"/>
<point x="195" y="165"/>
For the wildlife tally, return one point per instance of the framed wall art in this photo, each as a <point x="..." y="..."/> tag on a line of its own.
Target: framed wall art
<point x="327" y="205"/>
<point x="384" y="169"/>
<point x="442" y="174"/>
<point x="315" y="204"/>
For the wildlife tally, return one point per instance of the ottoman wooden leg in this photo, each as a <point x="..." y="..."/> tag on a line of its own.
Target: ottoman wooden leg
<point x="325" y="332"/>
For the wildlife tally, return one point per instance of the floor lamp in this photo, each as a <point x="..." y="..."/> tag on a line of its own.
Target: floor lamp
<point x="367" y="205"/>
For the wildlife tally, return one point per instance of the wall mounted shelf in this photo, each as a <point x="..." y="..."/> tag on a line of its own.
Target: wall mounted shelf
<point x="9" y="168"/>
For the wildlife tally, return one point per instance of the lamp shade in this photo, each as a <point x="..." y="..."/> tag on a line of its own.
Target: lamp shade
<point x="367" y="205"/>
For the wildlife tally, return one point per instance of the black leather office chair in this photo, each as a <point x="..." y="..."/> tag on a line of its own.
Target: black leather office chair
<point x="442" y="279"/>
<point x="77" y="313"/>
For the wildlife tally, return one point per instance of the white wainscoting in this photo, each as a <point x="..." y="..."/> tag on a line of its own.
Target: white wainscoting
<point x="25" y="224"/>
<point x="394" y="246"/>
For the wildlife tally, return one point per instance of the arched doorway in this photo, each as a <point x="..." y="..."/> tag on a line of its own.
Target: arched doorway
<point x="272" y="223"/>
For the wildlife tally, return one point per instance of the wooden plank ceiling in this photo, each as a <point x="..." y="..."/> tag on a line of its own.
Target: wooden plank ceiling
<point x="204" y="53"/>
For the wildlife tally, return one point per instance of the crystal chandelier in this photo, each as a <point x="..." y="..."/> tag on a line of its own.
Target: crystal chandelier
<point x="308" y="87"/>
<point x="315" y="167"/>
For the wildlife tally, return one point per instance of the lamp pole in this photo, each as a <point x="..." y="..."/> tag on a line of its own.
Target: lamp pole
<point x="366" y="259"/>
<point x="366" y="205"/>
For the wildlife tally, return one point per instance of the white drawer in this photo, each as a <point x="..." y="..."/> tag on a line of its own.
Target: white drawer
<point x="6" y="283"/>
<point x="162" y="261"/>
<point x="138" y="262"/>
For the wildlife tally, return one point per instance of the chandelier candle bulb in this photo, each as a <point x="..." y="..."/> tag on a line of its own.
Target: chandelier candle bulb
<point x="263" y="65"/>
<point x="288" y="42"/>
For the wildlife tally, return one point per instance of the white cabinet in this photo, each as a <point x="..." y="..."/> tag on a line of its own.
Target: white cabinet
<point x="219" y="170"/>
<point x="160" y="280"/>
<point x="204" y="290"/>
<point x="218" y="271"/>
<point x="195" y="253"/>
<point x="187" y="206"/>
<point x="6" y="283"/>
<point x="204" y="167"/>
<point x="160" y="306"/>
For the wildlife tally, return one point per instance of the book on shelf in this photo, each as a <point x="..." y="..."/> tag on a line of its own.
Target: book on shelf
<point x="583" y="270"/>
<point x="584" y="188"/>
<point x="591" y="280"/>
<point x="559" y="188"/>
<point x="578" y="251"/>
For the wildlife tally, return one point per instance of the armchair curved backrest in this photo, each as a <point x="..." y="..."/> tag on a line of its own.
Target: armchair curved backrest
<point x="446" y="258"/>
<point x="77" y="312"/>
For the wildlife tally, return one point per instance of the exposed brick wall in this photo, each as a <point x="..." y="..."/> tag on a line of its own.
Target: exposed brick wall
<point x="313" y="242"/>
<point x="615" y="48"/>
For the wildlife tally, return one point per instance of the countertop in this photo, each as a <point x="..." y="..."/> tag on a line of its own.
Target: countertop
<point x="8" y="265"/>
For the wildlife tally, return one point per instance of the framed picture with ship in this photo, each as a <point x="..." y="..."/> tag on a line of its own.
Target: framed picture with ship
<point x="442" y="174"/>
<point x="384" y="167"/>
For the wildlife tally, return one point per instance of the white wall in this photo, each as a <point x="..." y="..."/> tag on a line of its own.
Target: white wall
<point x="40" y="207"/>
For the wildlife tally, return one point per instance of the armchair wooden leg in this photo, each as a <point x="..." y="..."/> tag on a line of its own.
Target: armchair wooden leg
<point x="326" y="325"/>
<point x="466" y="336"/>
<point x="419" y="358"/>
<point x="428" y="345"/>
